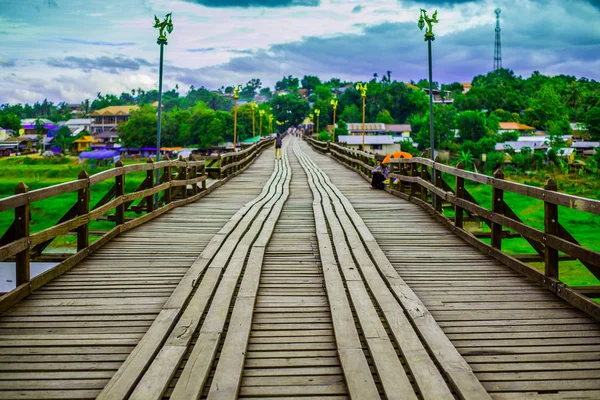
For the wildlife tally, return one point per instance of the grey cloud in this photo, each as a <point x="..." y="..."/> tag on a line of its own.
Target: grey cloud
<point x="105" y="63"/>
<point x="256" y="3"/>
<point x="357" y="9"/>
<point x="201" y="50"/>
<point x="6" y="62"/>
<point x="95" y="43"/>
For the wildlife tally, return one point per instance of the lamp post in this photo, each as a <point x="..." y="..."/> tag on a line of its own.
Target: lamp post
<point x="260" y="116"/>
<point x="363" y="94"/>
<point x="236" y="96"/>
<point x="253" y="106"/>
<point x="317" y="113"/>
<point x="270" y="124"/>
<point x="334" y="103"/>
<point x="167" y="24"/>
<point x="430" y="37"/>
<point x="312" y="125"/>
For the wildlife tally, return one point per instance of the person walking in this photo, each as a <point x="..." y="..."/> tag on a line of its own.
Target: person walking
<point x="278" y="146"/>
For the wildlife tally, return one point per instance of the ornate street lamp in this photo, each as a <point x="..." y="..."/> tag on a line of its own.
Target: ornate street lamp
<point x="270" y="124"/>
<point x="167" y="25"/>
<point x="334" y="103"/>
<point x="362" y="87"/>
<point x="317" y="113"/>
<point x="312" y="126"/>
<point x="260" y="115"/>
<point x="236" y="96"/>
<point x="430" y="37"/>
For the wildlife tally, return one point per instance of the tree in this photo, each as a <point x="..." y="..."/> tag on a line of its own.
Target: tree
<point x="63" y="138"/>
<point x="592" y="122"/>
<point x="444" y="123"/>
<point x="310" y="83"/>
<point x="10" y="121"/>
<point x="471" y="125"/>
<point x="140" y="130"/>
<point x="298" y="109"/>
<point x="384" y="117"/>
<point x="351" y="114"/>
<point x="287" y="83"/>
<point x="251" y="88"/>
<point x="558" y="129"/>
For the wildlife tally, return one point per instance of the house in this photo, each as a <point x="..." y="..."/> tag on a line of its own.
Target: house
<point x="303" y="93"/>
<point x="399" y="129"/>
<point x="25" y="143"/>
<point x="567" y="153"/>
<point x="109" y="118"/>
<point x="280" y="92"/>
<point x="380" y="144"/>
<point x="466" y="87"/>
<point x="78" y="125"/>
<point x="580" y="131"/>
<point x="31" y="121"/>
<point x="440" y="96"/>
<point x="30" y="129"/>
<point x="517" y="146"/>
<point x="82" y="144"/>
<point x="515" y="126"/>
<point x="345" y="87"/>
<point x="5" y="134"/>
<point x="370" y="128"/>
<point x="107" y="138"/>
<point x="586" y="148"/>
<point x="411" y="86"/>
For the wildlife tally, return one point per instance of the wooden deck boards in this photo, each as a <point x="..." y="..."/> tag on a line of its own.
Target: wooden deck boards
<point x="517" y="337"/>
<point x="78" y="329"/>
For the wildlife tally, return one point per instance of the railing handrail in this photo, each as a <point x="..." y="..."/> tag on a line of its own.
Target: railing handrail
<point x="415" y="174"/>
<point x="561" y="199"/>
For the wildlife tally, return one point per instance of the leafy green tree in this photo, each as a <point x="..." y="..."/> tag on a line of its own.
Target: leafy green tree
<point x="298" y="109"/>
<point x="444" y="123"/>
<point x="558" y="129"/>
<point x="140" y="130"/>
<point x="384" y="117"/>
<point x="351" y="114"/>
<point x="471" y="125"/>
<point x="342" y="128"/>
<point x="287" y="83"/>
<point x="466" y="157"/>
<point x="251" y="89"/>
<point x="324" y="136"/>
<point x="310" y="83"/>
<point x="63" y="138"/>
<point x="10" y="121"/>
<point x="592" y="122"/>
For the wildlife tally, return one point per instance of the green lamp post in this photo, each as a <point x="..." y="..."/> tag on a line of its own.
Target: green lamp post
<point x="430" y="37"/>
<point x="253" y="106"/>
<point x="261" y="113"/>
<point x="362" y="87"/>
<point x="312" y="127"/>
<point x="317" y="113"/>
<point x="166" y="24"/>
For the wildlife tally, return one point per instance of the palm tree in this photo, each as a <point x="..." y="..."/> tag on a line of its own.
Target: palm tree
<point x="466" y="158"/>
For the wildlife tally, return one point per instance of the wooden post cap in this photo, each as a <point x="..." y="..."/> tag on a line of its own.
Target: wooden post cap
<point x="119" y="163"/>
<point x="83" y="175"/>
<point x="551" y="185"/>
<point x="21" y="188"/>
<point x="460" y="165"/>
<point x="499" y="174"/>
<point x="149" y="160"/>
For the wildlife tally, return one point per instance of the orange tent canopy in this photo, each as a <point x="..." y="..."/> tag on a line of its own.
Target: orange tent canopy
<point x="398" y="154"/>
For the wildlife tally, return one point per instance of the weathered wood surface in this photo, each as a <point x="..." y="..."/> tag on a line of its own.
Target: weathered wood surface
<point x="77" y="330"/>
<point x="521" y="340"/>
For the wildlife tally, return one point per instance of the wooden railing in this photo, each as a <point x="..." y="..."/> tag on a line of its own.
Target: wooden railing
<point x="411" y="180"/>
<point x="223" y="165"/>
<point x="180" y="182"/>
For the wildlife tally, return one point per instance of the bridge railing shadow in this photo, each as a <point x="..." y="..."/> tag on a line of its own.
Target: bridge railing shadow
<point x="162" y="186"/>
<point x="411" y="179"/>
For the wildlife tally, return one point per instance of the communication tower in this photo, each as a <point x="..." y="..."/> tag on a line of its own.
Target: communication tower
<point x="498" y="45"/>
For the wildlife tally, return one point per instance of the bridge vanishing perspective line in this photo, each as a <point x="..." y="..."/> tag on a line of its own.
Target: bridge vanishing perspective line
<point x="294" y="280"/>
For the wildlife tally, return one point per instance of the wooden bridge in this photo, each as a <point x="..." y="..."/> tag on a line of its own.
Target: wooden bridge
<point x="292" y="279"/>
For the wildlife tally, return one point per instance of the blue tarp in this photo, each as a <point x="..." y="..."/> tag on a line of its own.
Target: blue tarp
<point x="99" y="154"/>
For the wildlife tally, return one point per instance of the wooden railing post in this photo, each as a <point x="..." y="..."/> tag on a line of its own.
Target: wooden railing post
<point x="194" y="173"/>
<point x="414" y="172"/>
<point x="150" y="185"/>
<point x="119" y="192"/>
<point x="22" y="217"/>
<point x="183" y="174"/>
<point x="497" y="208"/>
<point x="551" y="227"/>
<point x="460" y="194"/>
<point x="425" y="177"/>
<point x="168" y="177"/>
<point x="83" y="208"/>
<point x="203" y="170"/>
<point x="219" y="165"/>
<point x="401" y="184"/>
<point x="438" y="184"/>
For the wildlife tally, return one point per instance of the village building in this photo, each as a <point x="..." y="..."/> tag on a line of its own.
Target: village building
<point x="380" y="144"/>
<point x="109" y="118"/>
<point x="515" y="126"/>
<point x="82" y="144"/>
<point x="78" y="125"/>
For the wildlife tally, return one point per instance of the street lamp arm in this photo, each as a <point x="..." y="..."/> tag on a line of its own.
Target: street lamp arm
<point x="161" y="26"/>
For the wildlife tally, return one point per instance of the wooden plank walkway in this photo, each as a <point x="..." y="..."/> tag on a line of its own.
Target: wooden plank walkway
<point x="295" y="281"/>
<point x="69" y="338"/>
<point x="522" y="341"/>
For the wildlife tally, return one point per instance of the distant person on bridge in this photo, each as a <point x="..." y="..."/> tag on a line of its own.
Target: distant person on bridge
<point x="278" y="146"/>
<point x="380" y="174"/>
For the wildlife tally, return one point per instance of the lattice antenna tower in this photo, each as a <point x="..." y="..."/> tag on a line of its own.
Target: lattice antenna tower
<point x="498" y="45"/>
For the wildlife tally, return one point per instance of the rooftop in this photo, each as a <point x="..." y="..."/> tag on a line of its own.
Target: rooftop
<point x="369" y="140"/>
<point x="515" y="126"/>
<point x="114" y="110"/>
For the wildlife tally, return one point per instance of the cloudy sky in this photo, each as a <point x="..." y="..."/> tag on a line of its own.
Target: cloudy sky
<point x="68" y="50"/>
